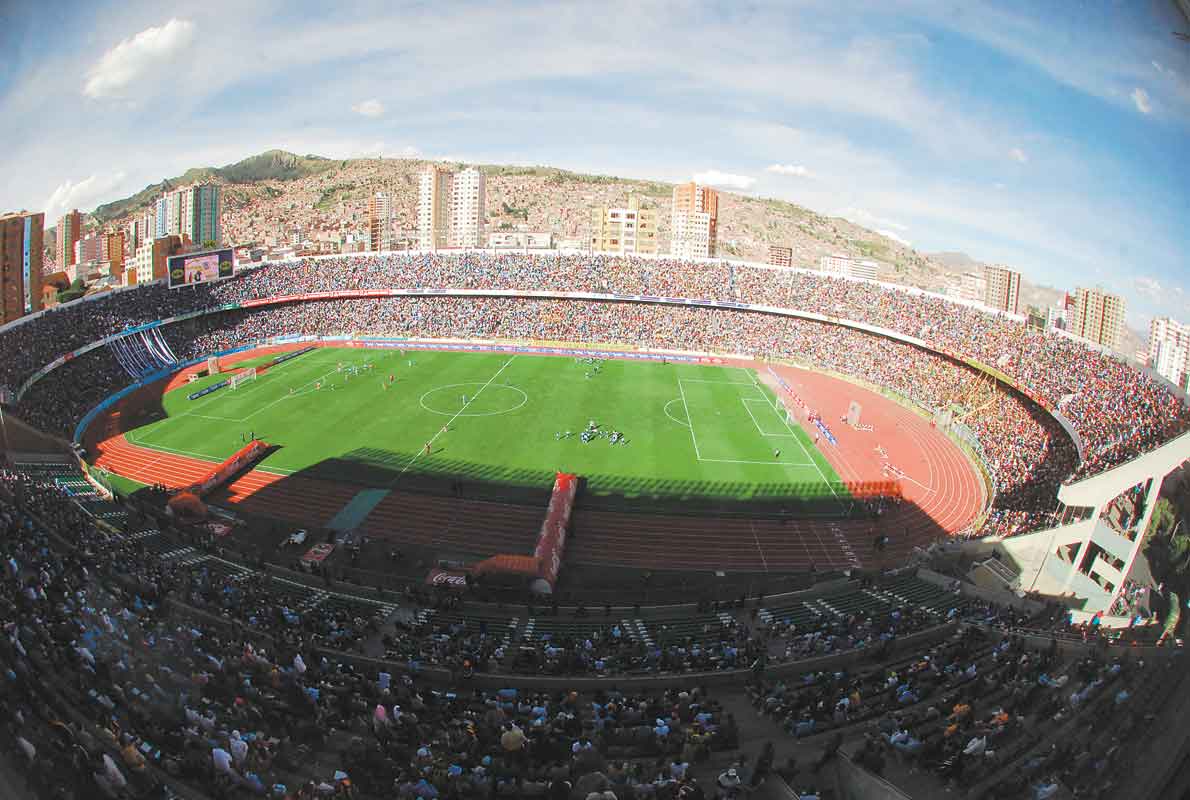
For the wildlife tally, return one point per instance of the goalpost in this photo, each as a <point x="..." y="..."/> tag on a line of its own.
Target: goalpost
<point x="242" y="377"/>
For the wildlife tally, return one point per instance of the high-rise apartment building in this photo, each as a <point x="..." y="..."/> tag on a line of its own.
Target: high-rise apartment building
<point x="780" y="256"/>
<point x="1169" y="349"/>
<point x="468" y="205"/>
<point x="89" y="249"/>
<point x="161" y="218"/>
<point x="140" y="229"/>
<point x="434" y="207"/>
<point x="1098" y="316"/>
<point x="695" y="221"/>
<point x="114" y="253"/>
<point x="203" y="215"/>
<point x="70" y="226"/>
<point x="21" y="241"/>
<point x="451" y="208"/>
<point x="1003" y="289"/>
<point x="380" y="222"/>
<point x="192" y="213"/>
<point x="624" y="231"/>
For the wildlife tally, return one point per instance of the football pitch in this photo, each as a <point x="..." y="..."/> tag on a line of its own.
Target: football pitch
<point x="685" y="430"/>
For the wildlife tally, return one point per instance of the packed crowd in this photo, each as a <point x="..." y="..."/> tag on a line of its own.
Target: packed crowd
<point x="115" y="683"/>
<point x="1118" y="411"/>
<point x="1026" y="452"/>
<point x="125" y="672"/>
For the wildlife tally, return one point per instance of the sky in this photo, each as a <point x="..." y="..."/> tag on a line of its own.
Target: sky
<point x="1052" y="137"/>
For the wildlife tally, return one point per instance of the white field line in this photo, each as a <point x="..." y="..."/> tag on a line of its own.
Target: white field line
<point x="450" y="422"/>
<point x="756" y="422"/>
<point x="817" y="468"/>
<point x="689" y="419"/>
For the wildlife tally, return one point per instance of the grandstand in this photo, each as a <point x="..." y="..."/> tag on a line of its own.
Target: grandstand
<point x="203" y="641"/>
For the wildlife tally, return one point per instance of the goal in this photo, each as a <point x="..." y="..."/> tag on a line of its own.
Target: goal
<point x="242" y="377"/>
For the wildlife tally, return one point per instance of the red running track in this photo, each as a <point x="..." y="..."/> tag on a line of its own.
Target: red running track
<point x="935" y="474"/>
<point x="944" y="491"/>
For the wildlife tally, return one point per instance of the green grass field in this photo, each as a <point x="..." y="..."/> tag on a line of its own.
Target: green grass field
<point x="691" y="430"/>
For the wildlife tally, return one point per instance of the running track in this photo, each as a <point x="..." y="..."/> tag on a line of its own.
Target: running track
<point x="942" y="487"/>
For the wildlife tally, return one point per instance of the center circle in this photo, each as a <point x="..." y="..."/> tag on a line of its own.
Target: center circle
<point x="447" y="401"/>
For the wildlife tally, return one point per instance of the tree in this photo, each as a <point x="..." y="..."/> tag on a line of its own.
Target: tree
<point x="209" y="244"/>
<point x="73" y="292"/>
<point x="1163" y="519"/>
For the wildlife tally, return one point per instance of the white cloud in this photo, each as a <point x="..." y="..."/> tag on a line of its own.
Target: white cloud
<point x="792" y="170"/>
<point x="861" y="216"/>
<point x="723" y="180"/>
<point x="1140" y="98"/>
<point x="1149" y="288"/>
<point x="151" y="49"/>
<point x="892" y="235"/>
<point x="1018" y="155"/>
<point x="369" y="108"/>
<point x="84" y="195"/>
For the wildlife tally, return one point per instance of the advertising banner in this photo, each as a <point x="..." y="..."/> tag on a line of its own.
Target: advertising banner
<point x="192" y="268"/>
<point x="229" y="468"/>
<point x="551" y="542"/>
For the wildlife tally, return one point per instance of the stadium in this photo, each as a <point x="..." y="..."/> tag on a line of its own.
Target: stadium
<point x="533" y="473"/>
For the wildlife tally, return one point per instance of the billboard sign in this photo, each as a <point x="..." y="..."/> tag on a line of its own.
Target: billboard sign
<point x="192" y="268"/>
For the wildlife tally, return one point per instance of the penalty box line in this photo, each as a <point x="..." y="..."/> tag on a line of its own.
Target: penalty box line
<point x="694" y="438"/>
<point x="756" y="422"/>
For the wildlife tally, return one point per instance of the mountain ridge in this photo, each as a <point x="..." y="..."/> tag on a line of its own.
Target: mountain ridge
<point x="278" y="196"/>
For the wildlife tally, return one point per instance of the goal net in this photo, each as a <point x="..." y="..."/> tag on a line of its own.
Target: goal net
<point x="242" y="377"/>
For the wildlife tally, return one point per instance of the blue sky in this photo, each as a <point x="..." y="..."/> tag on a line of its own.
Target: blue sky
<point x="1054" y="137"/>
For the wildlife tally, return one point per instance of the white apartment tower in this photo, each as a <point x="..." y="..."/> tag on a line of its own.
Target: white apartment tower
<point x="467" y="209"/>
<point x="451" y="208"/>
<point x="380" y="223"/>
<point x="1169" y="349"/>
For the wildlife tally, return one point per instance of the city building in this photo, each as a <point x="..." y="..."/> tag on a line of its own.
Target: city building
<point x="780" y="256"/>
<point x="467" y="209"/>
<point x="973" y="286"/>
<point x="140" y="229"/>
<point x="849" y="267"/>
<point x="433" y="207"/>
<point x="380" y="222"/>
<point x="152" y="260"/>
<point x="21" y="242"/>
<point x="695" y="226"/>
<point x="865" y="270"/>
<point x="624" y="231"/>
<point x="1055" y="317"/>
<point x="1098" y="316"/>
<point x="193" y="213"/>
<point x="1003" y="289"/>
<point x="1169" y="349"/>
<point x="202" y="222"/>
<point x="114" y="253"/>
<point x="520" y="240"/>
<point x="161" y="218"/>
<point x="70" y="227"/>
<point x="89" y="249"/>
